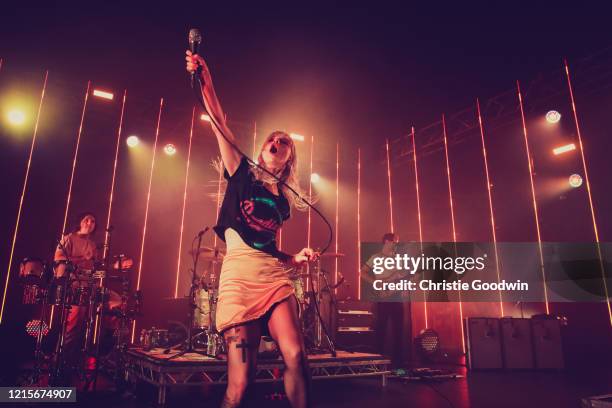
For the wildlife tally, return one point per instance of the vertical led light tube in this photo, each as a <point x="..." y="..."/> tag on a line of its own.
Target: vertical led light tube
<point x="337" y="213"/>
<point x="533" y="196"/>
<point x="112" y="187"/>
<point x="418" y="200"/>
<point x="454" y="230"/>
<point x="309" y="209"/>
<point x="187" y="165"/>
<point x="491" y="211"/>
<point x="146" y="214"/>
<point x="23" y="192"/>
<point x="391" y="226"/>
<point x="358" y="224"/>
<point x="588" y="185"/>
<point x="74" y="159"/>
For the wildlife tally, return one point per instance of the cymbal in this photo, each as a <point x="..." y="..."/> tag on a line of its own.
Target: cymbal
<point x="207" y="250"/>
<point x="332" y="255"/>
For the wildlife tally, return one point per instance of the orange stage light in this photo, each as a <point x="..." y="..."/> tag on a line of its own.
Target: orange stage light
<point x="103" y="94"/>
<point x="564" y="149"/>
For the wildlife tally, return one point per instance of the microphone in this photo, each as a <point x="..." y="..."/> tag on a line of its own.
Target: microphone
<point x="195" y="39"/>
<point x="203" y="232"/>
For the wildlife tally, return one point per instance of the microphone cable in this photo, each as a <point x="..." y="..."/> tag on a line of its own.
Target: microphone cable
<point x="200" y="98"/>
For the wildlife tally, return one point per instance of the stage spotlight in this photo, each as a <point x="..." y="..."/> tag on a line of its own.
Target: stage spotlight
<point x="297" y="137"/>
<point x="315" y="178"/>
<point x="553" y="116"/>
<point x="103" y="94"/>
<point x="575" y="180"/>
<point x="16" y="117"/>
<point x="170" y="149"/>
<point x="205" y="117"/>
<point x="564" y="149"/>
<point x="132" y="141"/>
<point x="427" y="343"/>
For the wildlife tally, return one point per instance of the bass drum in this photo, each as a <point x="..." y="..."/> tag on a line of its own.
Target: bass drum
<point x="268" y="348"/>
<point x="201" y="315"/>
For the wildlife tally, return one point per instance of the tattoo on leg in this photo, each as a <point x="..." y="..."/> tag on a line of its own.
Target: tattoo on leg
<point x="231" y="339"/>
<point x="244" y="346"/>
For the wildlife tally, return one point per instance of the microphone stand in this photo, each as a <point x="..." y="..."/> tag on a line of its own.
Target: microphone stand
<point x="99" y="314"/>
<point x="188" y="344"/>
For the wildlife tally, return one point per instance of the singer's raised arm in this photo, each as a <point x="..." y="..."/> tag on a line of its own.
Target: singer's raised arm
<point x="230" y="157"/>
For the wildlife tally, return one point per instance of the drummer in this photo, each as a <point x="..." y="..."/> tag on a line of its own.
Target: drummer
<point x="80" y="249"/>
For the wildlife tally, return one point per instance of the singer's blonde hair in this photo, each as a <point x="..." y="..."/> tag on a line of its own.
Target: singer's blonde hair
<point x="289" y="173"/>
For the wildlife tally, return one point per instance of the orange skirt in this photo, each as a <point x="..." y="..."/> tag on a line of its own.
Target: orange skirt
<point x="251" y="283"/>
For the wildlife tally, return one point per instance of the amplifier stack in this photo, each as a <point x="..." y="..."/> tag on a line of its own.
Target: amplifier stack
<point x="511" y="343"/>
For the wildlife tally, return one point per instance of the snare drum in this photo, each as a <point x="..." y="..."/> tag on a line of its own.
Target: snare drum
<point x="201" y="316"/>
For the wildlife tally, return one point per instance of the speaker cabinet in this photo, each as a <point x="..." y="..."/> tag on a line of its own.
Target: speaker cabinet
<point x="516" y="343"/>
<point x="484" y="350"/>
<point x="546" y="332"/>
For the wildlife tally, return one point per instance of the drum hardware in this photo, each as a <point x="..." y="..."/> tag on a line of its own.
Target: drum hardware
<point x="188" y="345"/>
<point x="319" y="327"/>
<point x="153" y="338"/>
<point x="33" y="273"/>
<point x="73" y="287"/>
<point x="268" y="348"/>
<point x="57" y="372"/>
<point x="97" y="313"/>
<point x="208" y="253"/>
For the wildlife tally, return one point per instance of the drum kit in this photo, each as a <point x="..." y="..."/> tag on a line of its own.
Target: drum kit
<point x="62" y="286"/>
<point x="202" y="336"/>
<point x="313" y="290"/>
<point x="55" y="289"/>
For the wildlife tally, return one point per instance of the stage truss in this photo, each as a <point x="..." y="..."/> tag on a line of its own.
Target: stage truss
<point x="194" y="370"/>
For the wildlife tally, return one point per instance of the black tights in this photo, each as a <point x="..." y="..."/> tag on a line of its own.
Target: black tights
<point x="243" y="342"/>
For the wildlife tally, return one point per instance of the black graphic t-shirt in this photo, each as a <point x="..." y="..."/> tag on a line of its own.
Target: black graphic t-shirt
<point x="253" y="211"/>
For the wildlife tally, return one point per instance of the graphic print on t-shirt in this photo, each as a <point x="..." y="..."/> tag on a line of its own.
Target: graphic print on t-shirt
<point x="261" y="214"/>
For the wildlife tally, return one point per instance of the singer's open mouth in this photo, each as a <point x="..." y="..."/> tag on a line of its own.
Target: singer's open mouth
<point x="273" y="149"/>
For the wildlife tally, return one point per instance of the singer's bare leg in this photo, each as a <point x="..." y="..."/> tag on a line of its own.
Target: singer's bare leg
<point x="284" y="328"/>
<point x="242" y="343"/>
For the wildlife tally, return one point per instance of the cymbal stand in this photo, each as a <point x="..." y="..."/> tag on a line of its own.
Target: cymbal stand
<point x="215" y="341"/>
<point x="320" y="329"/>
<point x="188" y="344"/>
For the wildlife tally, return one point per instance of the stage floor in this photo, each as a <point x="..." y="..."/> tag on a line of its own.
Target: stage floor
<point x="195" y="370"/>
<point x="563" y="389"/>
